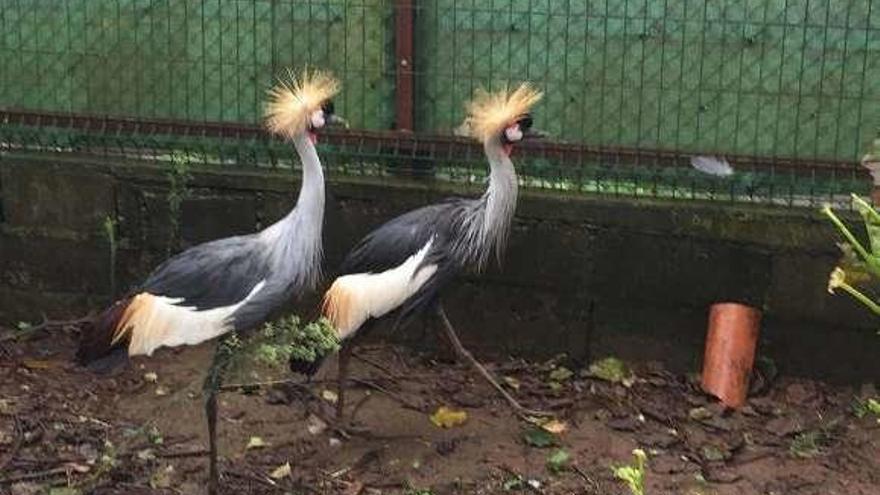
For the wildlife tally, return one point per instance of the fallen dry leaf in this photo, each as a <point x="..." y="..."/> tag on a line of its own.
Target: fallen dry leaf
<point x="353" y="488"/>
<point x="281" y="471"/>
<point x="512" y="382"/>
<point x="255" y="443"/>
<point x="445" y="417"/>
<point x="146" y="455"/>
<point x="555" y="426"/>
<point x="560" y="374"/>
<point x="38" y="364"/>
<point x="315" y="425"/>
<point x="330" y="396"/>
<point x="162" y="478"/>
<point x="76" y="467"/>
<point x="612" y="369"/>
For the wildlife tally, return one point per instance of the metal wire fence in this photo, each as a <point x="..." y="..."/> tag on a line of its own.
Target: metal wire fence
<point x="789" y="90"/>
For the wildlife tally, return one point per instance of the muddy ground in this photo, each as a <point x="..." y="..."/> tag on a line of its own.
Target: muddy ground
<point x="64" y="431"/>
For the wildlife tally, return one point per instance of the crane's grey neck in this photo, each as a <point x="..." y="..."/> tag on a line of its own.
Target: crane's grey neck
<point x="490" y="226"/>
<point x="294" y="242"/>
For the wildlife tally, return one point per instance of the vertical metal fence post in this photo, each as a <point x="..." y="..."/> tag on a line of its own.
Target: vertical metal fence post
<point x="404" y="64"/>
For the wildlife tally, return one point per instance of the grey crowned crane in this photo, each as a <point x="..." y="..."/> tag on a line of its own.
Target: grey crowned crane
<point x="232" y="284"/>
<point x="403" y="265"/>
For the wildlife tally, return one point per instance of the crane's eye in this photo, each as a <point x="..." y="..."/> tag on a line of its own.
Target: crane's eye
<point x="328" y="107"/>
<point x="525" y="122"/>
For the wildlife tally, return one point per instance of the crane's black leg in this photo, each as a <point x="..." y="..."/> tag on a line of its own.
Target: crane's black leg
<point x="344" y="358"/>
<point x="219" y="365"/>
<point x="467" y="356"/>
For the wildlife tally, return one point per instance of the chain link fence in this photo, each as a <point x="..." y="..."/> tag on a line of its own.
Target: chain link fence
<point x="788" y="90"/>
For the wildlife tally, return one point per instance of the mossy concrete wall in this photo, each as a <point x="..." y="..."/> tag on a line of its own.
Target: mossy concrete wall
<point x="647" y="269"/>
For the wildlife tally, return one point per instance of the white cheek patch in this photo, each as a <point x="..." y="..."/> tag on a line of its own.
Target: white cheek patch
<point x="317" y="119"/>
<point x="513" y="133"/>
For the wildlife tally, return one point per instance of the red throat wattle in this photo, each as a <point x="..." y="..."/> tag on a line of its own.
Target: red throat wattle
<point x="313" y="137"/>
<point x="508" y="148"/>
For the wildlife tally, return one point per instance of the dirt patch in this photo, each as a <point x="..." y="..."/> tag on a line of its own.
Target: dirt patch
<point x="142" y="430"/>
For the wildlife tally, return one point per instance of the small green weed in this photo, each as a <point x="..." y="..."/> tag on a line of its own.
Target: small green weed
<point x="860" y="264"/>
<point x="539" y="437"/>
<point x="109" y="230"/>
<point x="558" y="461"/>
<point x="864" y="407"/>
<point x="807" y="444"/>
<point x="633" y="474"/>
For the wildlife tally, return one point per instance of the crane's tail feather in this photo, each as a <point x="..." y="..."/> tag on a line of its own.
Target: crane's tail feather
<point x="341" y="307"/>
<point x="354" y="298"/>
<point x="100" y="338"/>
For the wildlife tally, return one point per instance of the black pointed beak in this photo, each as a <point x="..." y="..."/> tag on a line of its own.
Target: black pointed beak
<point x="336" y="120"/>
<point x="532" y="133"/>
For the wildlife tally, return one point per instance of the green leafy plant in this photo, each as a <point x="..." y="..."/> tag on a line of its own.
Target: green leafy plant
<point x="558" y="461"/>
<point x="178" y="177"/>
<point x="109" y="229"/>
<point x="859" y="264"/>
<point x="612" y="369"/>
<point x="539" y="437"/>
<point x="807" y="444"/>
<point x="411" y="490"/>
<point x="515" y="483"/>
<point x="633" y="474"/>
<point x="864" y="407"/>
<point x="277" y="341"/>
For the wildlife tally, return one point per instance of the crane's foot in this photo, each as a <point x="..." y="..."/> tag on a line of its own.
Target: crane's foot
<point x="344" y="427"/>
<point x="329" y="413"/>
<point x="348" y="429"/>
<point x="465" y="354"/>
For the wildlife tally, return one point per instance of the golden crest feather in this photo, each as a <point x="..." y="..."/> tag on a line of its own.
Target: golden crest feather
<point x="489" y="113"/>
<point x="295" y="98"/>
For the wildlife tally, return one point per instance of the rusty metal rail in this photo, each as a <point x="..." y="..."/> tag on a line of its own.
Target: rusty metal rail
<point x="403" y="144"/>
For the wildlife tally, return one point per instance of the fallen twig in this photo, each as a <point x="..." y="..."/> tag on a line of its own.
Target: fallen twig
<point x="593" y="484"/>
<point x="389" y="393"/>
<point x="327" y="421"/>
<point x="34" y="476"/>
<point x="16" y="446"/>
<point x="46" y="324"/>
<point x="232" y="387"/>
<point x="177" y="455"/>
<point x="359" y="405"/>
<point x="372" y="363"/>
<point x="259" y="479"/>
<point x="512" y="472"/>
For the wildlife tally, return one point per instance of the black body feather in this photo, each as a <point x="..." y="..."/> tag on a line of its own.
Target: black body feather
<point x="210" y="275"/>
<point x="395" y="241"/>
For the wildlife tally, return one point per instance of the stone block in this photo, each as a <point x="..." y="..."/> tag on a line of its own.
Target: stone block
<point x="54" y="265"/>
<point x="210" y="217"/>
<point x="56" y="197"/>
